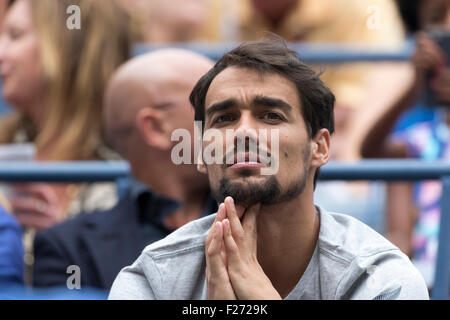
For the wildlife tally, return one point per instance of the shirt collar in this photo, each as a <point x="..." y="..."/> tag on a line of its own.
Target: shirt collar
<point x="153" y="208"/>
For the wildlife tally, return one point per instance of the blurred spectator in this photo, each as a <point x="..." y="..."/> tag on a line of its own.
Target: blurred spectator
<point x="364" y="23"/>
<point x="169" y="21"/>
<point x="148" y="99"/>
<point x="3" y="107"/>
<point x="11" y="250"/>
<point x="54" y="78"/>
<point x="415" y="228"/>
<point x="4" y="203"/>
<point x="409" y="10"/>
<point x="3" y="6"/>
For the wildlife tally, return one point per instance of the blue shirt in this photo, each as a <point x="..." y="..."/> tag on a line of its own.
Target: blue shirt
<point x="11" y="249"/>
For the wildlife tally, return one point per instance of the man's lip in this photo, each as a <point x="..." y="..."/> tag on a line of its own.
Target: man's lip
<point x="247" y="161"/>
<point x="241" y="165"/>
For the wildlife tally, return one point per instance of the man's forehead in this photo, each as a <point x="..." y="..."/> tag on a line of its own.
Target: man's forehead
<point x="244" y="83"/>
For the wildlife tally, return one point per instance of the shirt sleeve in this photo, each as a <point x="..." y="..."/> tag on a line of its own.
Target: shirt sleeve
<point x="132" y="284"/>
<point x="388" y="275"/>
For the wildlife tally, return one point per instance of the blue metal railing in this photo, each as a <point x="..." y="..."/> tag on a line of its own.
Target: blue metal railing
<point x="63" y="171"/>
<point x="98" y="171"/>
<point x="311" y="53"/>
<point x="89" y="171"/>
<point x="386" y="170"/>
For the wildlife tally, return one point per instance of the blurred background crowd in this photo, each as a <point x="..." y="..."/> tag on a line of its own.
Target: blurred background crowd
<point x="55" y="105"/>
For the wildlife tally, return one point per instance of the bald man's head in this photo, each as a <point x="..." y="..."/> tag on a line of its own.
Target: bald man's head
<point x="160" y="80"/>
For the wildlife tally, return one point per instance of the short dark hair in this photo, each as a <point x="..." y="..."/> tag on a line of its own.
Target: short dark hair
<point x="271" y="55"/>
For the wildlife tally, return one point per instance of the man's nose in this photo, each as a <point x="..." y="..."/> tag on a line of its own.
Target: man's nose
<point x="246" y="124"/>
<point x="245" y="132"/>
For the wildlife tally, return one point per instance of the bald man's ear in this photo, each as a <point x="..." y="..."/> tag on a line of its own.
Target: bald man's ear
<point x="151" y="128"/>
<point x="320" y="148"/>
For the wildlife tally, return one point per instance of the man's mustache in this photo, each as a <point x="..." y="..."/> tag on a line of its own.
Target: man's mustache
<point x="262" y="155"/>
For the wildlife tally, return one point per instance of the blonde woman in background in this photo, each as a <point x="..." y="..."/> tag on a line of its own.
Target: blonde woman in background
<point x="54" y="78"/>
<point x="3" y="4"/>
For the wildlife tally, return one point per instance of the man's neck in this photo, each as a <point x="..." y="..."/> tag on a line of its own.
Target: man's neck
<point x="287" y="237"/>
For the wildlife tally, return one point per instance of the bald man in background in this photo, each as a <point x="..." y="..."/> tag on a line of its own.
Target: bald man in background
<point x="146" y="100"/>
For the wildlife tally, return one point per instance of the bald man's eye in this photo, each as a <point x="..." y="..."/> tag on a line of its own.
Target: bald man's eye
<point x="14" y="33"/>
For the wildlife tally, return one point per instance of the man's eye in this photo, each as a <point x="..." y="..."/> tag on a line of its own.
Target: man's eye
<point x="272" y="116"/>
<point x="223" y="118"/>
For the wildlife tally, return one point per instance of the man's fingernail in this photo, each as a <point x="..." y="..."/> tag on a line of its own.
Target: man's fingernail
<point x="226" y="225"/>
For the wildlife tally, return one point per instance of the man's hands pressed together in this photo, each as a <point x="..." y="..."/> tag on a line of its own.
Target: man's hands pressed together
<point x="218" y="282"/>
<point x="232" y="267"/>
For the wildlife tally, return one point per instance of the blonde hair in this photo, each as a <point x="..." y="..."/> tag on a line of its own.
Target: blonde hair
<point x="4" y="202"/>
<point x="77" y="65"/>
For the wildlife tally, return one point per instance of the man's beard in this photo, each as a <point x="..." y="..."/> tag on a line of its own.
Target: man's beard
<point x="268" y="192"/>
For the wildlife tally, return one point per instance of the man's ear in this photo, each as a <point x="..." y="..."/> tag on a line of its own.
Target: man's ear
<point x="150" y="125"/>
<point x="320" y="148"/>
<point x="201" y="167"/>
<point x="198" y="136"/>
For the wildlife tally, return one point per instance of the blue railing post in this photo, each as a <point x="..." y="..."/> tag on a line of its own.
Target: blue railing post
<point x="441" y="285"/>
<point x="122" y="185"/>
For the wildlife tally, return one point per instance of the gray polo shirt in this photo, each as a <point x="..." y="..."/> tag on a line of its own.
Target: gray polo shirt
<point x="350" y="261"/>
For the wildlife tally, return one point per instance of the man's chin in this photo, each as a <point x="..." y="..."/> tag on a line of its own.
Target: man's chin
<point x="247" y="191"/>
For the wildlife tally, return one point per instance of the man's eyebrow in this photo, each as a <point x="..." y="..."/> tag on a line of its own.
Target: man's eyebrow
<point x="219" y="106"/>
<point x="271" y="102"/>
